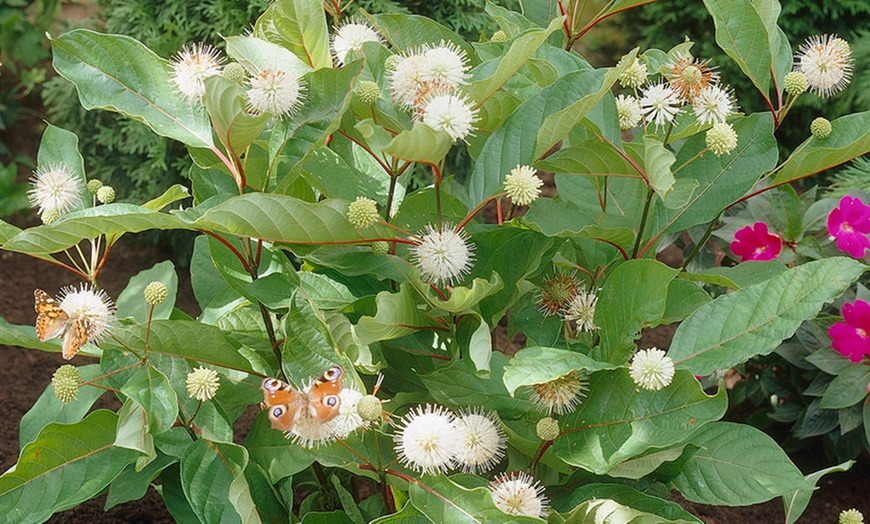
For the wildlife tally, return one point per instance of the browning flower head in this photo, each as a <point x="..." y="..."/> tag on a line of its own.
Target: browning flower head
<point x="556" y="292"/>
<point x="560" y="395"/>
<point x="688" y="76"/>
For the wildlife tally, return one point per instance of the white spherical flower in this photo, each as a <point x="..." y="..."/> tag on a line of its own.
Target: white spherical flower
<point x="275" y="91"/>
<point x="522" y="185"/>
<point x="628" y="111"/>
<point x="652" y="369"/>
<point x="517" y="493"/>
<point x="713" y="104"/>
<point x="443" y="256"/>
<point x="560" y="395"/>
<point x="660" y="104"/>
<point x="94" y="309"/>
<point x="310" y="432"/>
<point x="581" y="309"/>
<point x="55" y="188"/>
<point x="352" y="36"/>
<point x="405" y="80"/>
<point x="444" y="65"/>
<point x="827" y="62"/>
<point x="348" y="419"/>
<point x="202" y="383"/>
<point x="481" y="441"/>
<point x="427" y="440"/>
<point x="634" y="76"/>
<point x="191" y="66"/>
<point x="450" y="113"/>
<point x="721" y="138"/>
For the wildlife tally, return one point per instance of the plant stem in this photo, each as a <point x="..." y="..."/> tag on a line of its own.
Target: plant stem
<point x="697" y="248"/>
<point x="643" y="219"/>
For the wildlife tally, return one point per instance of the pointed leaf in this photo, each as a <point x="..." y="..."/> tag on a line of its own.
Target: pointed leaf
<point x="214" y="483"/>
<point x="234" y="126"/>
<point x="442" y="500"/>
<point x="795" y="503"/>
<point x="603" y="510"/>
<point x="131" y="302"/>
<point x="536" y="365"/>
<point x="754" y="320"/>
<point x="658" y="161"/>
<point x="397" y="316"/>
<point x="847" y="389"/>
<point x="421" y="143"/>
<point x="118" y="73"/>
<point x="626" y="496"/>
<point x="150" y="388"/>
<point x="300" y="26"/>
<point x="59" y="146"/>
<point x="406" y="32"/>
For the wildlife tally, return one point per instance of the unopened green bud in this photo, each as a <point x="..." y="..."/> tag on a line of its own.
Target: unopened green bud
<point x="851" y="516"/>
<point x="368" y="92"/>
<point x="380" y="248"/>
<point x="499" y="36"/>
<point x="547" y="429"/>
<point x="234" y="72"/>
<point x="362" y="212"/>
<point x="106" y="195"/>
<point x="391" y="62"/>
<point x="156" y="293"/>
<point x="369" y="408"/>
<point x="65" y="382"/>
<point x="795" y="83"/>
<point x="50" y="215"/>
<point x="820" y="128"/>
<point x="94" y="186"/>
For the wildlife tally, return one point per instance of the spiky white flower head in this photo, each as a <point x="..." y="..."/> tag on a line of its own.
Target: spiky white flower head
<point x="522" y="185"/>
<point x="581" y="310"/>
<point x="352" y="36"/>
<point x="628" y="111"/>
<point x="660" y="104"/>
<point x="826" y="61"/>
<point x="88" y="304"/>
<point x="275" y="91"/>
<point x="450" y="113"/>
<point x="427" y="439"/>
<point x="713" y="104"/>
<point x="795" y="83"/>
<point x="202" y="383"/>
<point x="443" y="256"/>
<point x="310" y="433"/>
<point x="634" y="76"/>
<point x="406" y="79"/>
<point x="362" y="212"/>
<point x="348" y="419"/>
<point x="444" y="65"/>
<point x="54" y="186"/>
<point x="517" y="493"/>
<point x="560" y="395"/>
<point x="481" y="441"/>
<point x="191" y="66"/>
<point x="821" y="128"/>
<point x="721" y="138"/>
<point x="66" y="381"/>
<point x="652" y="369"/>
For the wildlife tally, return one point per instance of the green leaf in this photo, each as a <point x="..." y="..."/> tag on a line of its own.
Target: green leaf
<point x="25" y="336"/>
<point x="754" y="320"/>
<point x="421" y="143"/>
<point x="603" y="510"/>
<point x="150" y="389"/>
<point x="463" y="298"/>
<point x="49" y="409"/>
<point x="442" y="500"/>
<point x="795" y="503"/>
<point x="406" y="32"/>
<point x="739" y="276"/>
<point x="66" y="465"/>
<point x="234" y="126"/>
<point x="131" y="302"/>
<point x="132" y="432"/>
<point x="850" y="138"/>
<point x="118" y="73"/>
<point x="132" y="484"/>
<point x="272" y="450"/>
<point x="657" y="161"/>
<point x="626" y="496"/>
<point x="619" y="421"/>
<point x="309" y="347"/>
<point x="300" y="26"/>
<point x="256" y="54"/>
<point x="397" y="316"/>
<point x="536" y="365"/>
<point x="61" y="147"/>
<point x="175" y="193"/>
<point x="736" y="465"/>
<point x="633" y="296"/>
<point x="589" y="157"/>
<point x="214" y="483"/>
<point x="847" y="389"/>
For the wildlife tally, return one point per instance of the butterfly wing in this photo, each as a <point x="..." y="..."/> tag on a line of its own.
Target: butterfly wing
<point x="323" y="400"/>
<point x="75" y="337"/>
<point x="283" y="403"/>
<point x="51" y="320"/>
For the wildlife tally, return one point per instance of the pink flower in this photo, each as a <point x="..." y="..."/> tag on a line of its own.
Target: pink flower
<point x="852" y="337"/>
<point x="849" y="223"/>
<point x="756" y="243"/>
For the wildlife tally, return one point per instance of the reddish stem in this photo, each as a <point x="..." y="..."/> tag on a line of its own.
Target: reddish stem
<point x="231" y="247"/>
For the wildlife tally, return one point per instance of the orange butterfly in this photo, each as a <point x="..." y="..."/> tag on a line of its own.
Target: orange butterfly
<point x="53" y="322"/>
<point x="287" y="406"/>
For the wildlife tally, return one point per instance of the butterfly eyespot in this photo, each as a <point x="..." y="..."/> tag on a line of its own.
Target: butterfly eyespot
<point x="333" y="373"/>
<point x="331" y="400"/>
<point x="271" y="384"/>
<point x="277" y="411"/>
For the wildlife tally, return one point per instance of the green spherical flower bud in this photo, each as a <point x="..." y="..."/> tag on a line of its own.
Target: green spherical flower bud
<point x="380" y="248"/>
<point x="820" y="128"/>
<point x="65" y="382"/>
<point x="50" y="215"/>
<point x="547" y="429"/>
<point x="156" y="293"/>
<point x="94" y="186"/>
<point x="721" y="139"/>
<point x="499" y="36"/>
<point x="202" y="383"/>
<point x="369" y="408"/>
<point x="106" y="195"/>
<point x="368" y="92"/>
<point x="234" y="72"/>
<point x="362" y="212"/>
<point x="795" y="83"/>
<point x="391" y="62"/>
<point x="851" y="516"/>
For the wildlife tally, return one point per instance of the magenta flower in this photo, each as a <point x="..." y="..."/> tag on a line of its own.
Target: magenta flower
<point x="852" y="337"/>
<point x="756" y="243"/>
<point x="849" y="223"/>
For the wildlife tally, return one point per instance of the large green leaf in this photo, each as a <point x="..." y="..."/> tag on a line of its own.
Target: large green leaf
<point x="736" y="465"/>
<point x="847" y="389"/>
<point x="25" y="336"/>
<point x="300" y="26"/>
<point x="536" y="365"/>
<point x="66" y="465"/>
<point x="634" y="295"/>
<point x="131" y="302"/>
<point x="61" y="147"/>
<point x="796" y="502"/>
<point x="397" y="316"/>
<point x="442" y="500"/>
<point x="234" y="126"/>
<point x="628" y="497"/>
<point x="150" y="388"/>
<point x="407" y="32"/>
<point x="754" y="320"/>
<point x="270" y="449"/>
<point x="850" y="138"/>
<point x="619" y="421"/>
<point x="118" y="73"/>
<point x="607" y="511"/>
<point x="421" y="143"/>
<point x="213" y="479"/>
<point x="256" y="54"/>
